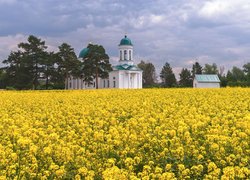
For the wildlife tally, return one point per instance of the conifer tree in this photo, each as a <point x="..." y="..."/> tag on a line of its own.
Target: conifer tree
<point x="95" y="64"/>
<point x="167" y="76"/>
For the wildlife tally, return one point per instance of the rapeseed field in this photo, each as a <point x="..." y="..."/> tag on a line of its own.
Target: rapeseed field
<point x="125" y="134"/>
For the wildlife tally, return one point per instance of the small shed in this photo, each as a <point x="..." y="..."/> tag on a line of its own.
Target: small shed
<point x="206" y="81"/>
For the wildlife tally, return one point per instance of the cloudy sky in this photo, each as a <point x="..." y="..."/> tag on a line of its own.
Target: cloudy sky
<point x="176" y="31"/>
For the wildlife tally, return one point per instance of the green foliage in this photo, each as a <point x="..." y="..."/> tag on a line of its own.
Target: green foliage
<point x="148" y="74"/>
<point x="2" y="79"/>
<point x="24" y="67"/>
<point x="67" y="62"/>
<point x="185" y="78"/>
<point x="10" y="88"/>
<point x="210" y="69"/>
<point x="95" y="64"/>
<point x="18" y="72"/>
<point x="236" y="77"/>
<point x="32" y="67"/>
<point x="223" y="80"/>
<point x="167" y="76"/>
<point x="196" y="69"/>
<point x="33" y="53"/>
<point x="246" y="69"/>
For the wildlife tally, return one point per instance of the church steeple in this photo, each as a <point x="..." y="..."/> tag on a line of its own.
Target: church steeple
<point x="126" y="51"/>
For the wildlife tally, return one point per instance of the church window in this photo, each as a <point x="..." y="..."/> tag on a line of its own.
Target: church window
<point x="94" y="84"/>
<point x="125" y="54"/>
<point x="114" y="84"/>
<point x="130" y="55"/>
<point x="120" y="55"/>
<point x="113" y="77"/>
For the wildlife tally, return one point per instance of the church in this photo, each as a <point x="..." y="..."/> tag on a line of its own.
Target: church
<point x="124" y="75"/>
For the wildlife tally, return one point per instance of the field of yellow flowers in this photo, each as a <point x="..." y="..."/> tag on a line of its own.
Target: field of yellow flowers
<point x="125" y="134"/>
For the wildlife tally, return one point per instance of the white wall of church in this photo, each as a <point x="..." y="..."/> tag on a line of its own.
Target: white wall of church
<point x="126" y="79"/>
<point x="114" y="79"/>
<point x="117" y="79"/>
<point x="79" y="83"/>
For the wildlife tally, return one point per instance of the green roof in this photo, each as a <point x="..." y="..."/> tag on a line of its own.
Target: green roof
<point x="125" y="41"/>
<point x="126" y="67"/>
<point x="207" y="78"/>
<point x="83" y="53"/>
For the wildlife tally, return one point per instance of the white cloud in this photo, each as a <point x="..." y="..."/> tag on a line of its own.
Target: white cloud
<point x="156" y="19"/>
<point x="9" y="43"/>
<point x="226" y="10"/>
<point x="177" y="31"/>
<point x="146" y="20"/>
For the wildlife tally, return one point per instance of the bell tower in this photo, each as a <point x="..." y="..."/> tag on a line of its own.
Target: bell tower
<point x="126" y="51"/>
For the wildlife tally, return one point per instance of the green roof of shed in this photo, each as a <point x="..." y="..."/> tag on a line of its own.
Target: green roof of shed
<point x="207" y="78"/>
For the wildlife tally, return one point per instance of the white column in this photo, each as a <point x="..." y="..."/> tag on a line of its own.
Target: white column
<point x="132" y="54"/>
<point x="138" y="79"/>
<point x="128" y="80"/>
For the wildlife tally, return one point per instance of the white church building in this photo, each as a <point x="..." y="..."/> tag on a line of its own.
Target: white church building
<point x="125" y="75"/>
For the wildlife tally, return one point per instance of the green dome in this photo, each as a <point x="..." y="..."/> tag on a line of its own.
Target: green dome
<point x="126" y="41"/>
<point x="83" y="53"/>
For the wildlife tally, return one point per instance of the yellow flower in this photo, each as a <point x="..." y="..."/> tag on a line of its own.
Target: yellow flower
<point x="125" y="134"/>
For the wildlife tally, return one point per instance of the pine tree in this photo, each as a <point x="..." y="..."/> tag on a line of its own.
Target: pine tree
<point x="33" y="53"/>
<point x="67" y="62"/>
<point x="95" y="64"/>
<point x="185" y="78"/>
<point x="196" y="69"/>
<point x="167" y="76"/>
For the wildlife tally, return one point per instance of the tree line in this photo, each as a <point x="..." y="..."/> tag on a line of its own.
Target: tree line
<point x="32" y="66"/>
<point x="234" y="77"/>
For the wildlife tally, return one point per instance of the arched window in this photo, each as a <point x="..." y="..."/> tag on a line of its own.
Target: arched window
<point x="130" y="55"/>
<point x="120" y="55"/>
<point x="125" y="54"/>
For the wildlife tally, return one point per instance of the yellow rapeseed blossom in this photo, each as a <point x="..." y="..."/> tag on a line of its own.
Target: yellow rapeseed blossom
<point x="125" y="134"/>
